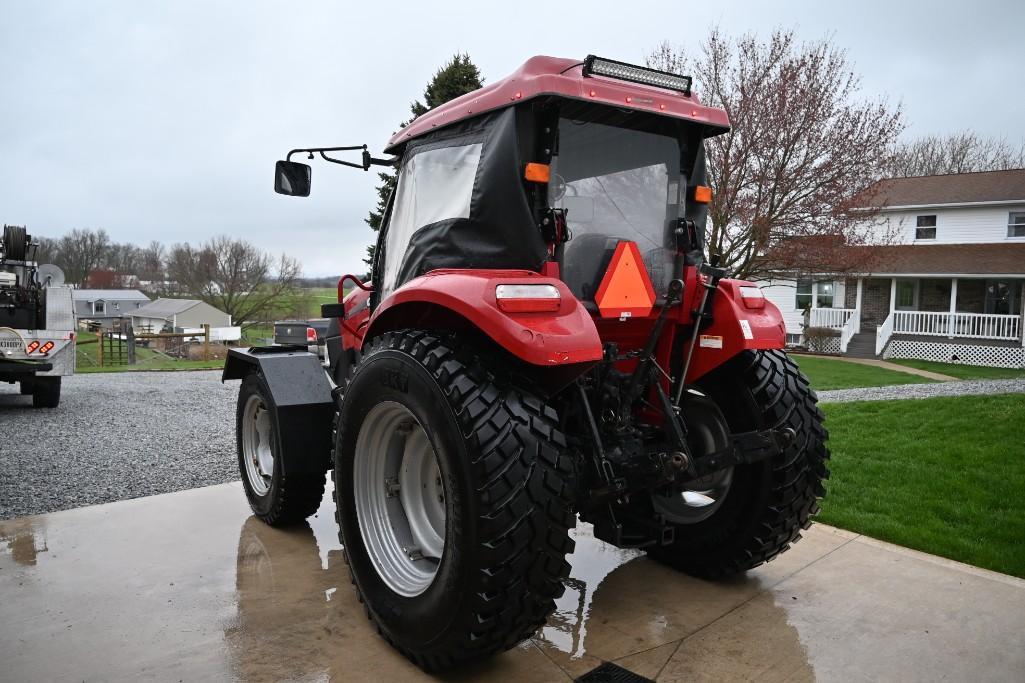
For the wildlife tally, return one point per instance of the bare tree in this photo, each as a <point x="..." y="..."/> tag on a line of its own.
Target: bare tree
<point x="964" y="152"/>
<point x="236" y="277"/>
<point x="802" y="152"/>
<point x="79" y="253"/>
<point x="123" y="259"/>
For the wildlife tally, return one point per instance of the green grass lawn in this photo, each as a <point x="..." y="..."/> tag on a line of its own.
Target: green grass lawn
<point x="831" y="373"/>
<point x="962" y="371"/>
<point x="942" y="475"/>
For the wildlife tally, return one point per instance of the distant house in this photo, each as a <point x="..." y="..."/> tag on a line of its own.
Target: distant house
<point x="950" y="285"/>
<point x="106" y="305"/>
<point x="174" y="314"/>
<point x="105" y="278"/>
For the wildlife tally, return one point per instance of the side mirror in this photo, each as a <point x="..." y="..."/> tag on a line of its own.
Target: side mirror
<point x="292" y="178"/>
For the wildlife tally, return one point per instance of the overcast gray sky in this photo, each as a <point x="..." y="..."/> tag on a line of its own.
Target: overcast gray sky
<point x="163" y="121"/>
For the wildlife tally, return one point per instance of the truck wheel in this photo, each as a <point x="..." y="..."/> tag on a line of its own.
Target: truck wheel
<point x="25" y="387"/>
<point x="454" y="494"/>
<point x="274" y="498"/>
<point x="757" y="510"/>
<point x="46" y="392"/>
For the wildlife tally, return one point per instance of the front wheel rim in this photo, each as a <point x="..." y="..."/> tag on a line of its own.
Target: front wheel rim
<point x="257" y="446"/>
<point x="400" y="500"/>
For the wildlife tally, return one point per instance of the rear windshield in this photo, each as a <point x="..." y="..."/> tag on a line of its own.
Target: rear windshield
<point x="615" y="184"/>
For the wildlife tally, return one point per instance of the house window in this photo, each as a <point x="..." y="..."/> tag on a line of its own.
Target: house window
<point x="824" y="294"/>
<point x="99" y="308"/>
<point x="1001" y="297"/>
<point x="925" y="228"/>
<point x="803" y="295"/>
<point x="907" y="295"/>
<point x="1016" y="224"/>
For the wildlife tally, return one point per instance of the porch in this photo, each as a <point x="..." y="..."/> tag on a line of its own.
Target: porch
<point x="960" y="319"/>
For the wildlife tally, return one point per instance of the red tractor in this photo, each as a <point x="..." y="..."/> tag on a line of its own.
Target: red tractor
<point x="542" y="338"/>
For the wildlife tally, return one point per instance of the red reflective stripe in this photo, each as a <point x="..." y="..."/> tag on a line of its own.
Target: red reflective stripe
<point x="528" y="305"/>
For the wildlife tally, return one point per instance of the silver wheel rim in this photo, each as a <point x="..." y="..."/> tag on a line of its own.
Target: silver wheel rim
<point x="257" y="450"/>
<point x="698" y="501"/>
<point x="400" y="498"/>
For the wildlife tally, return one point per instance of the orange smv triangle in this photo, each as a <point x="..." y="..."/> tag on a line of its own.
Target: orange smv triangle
<point x="625" y="291"/>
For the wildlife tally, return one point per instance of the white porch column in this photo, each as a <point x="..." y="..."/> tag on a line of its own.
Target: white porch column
<point x="893" y="295"/>
<point x="857" y="306"/>
<point x="953" y="307"/>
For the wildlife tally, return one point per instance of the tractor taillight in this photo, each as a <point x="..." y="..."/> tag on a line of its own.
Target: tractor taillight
<point x="45" y="348"/>
<point x="528" y="298"/>
<point x="311" y="335"/>
<point x="32" y="346"/>
<point x="752" y="297"/>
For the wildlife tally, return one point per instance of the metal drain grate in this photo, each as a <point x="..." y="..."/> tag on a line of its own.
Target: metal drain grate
<point x="611" y="673"/>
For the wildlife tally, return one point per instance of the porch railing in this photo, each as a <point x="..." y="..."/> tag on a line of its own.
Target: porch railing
<point x="883" y="333"/>
<point x="849" y="329"/>
<point x="829" y="317"/>
<point x="968" y="325"/>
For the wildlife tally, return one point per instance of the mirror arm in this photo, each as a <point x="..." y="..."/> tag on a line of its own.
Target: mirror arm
<point x="339" y="161"/>
<point x="368" y="160"/>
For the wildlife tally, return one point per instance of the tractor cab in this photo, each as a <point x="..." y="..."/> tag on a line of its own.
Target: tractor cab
<point x="555" y="164"/>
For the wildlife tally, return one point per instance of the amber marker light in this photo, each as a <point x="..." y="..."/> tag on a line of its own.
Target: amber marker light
<point x="537" y="173"/>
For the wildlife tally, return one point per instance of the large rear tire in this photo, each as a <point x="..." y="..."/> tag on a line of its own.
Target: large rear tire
<point x="767" y="504"/>
<point x="454" y="495"/>
<point x="274" y="498"/>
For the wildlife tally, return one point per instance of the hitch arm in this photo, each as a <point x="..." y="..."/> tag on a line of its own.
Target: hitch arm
<point x="747" y="448"/>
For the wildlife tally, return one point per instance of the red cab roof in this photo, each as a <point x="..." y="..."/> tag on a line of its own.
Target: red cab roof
<point x="564" y="78"/>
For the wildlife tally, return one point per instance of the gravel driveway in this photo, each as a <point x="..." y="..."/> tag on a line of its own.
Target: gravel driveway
<point x="125" y="435"/>
<point x="115" y="436"/>
<point x="962" y="388"/>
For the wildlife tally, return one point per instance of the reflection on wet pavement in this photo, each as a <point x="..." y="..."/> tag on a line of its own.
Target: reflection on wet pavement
<point x="24" y="541"/>
<point x="189" y="586"/>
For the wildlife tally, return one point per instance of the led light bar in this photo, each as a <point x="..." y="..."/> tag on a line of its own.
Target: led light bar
<point x="599" y="66"/>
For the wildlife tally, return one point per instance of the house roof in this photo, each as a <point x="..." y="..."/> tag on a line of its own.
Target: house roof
<point x="164" y="308"/>
<point x="953" y="188"/>
<point x="108" y="294"/>
<point x="945" y="259"/>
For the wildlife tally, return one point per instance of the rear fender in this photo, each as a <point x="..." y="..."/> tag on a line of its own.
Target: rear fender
<point x="300" y="398"/>
<point x="735" y="328"/>
<point x="566" y="337"/>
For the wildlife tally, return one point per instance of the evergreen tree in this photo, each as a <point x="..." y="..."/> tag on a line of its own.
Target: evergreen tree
<point x="458" y="77"/>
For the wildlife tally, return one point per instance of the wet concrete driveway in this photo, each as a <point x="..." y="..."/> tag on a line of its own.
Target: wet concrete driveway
<point x="186" y="586"/>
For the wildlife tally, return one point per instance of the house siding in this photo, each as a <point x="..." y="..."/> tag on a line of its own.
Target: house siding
<point x="964" y="225"/>
<point x="934" y="294"/>
<point x="201" y="314"/>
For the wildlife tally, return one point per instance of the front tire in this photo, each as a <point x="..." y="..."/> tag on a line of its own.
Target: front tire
<point x="274" y="498"/>
<point x="492" y="453"/>
<point x="767" y="503"/>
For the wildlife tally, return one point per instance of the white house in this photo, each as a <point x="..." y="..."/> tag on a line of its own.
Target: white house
<point x="947" y="285"/>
